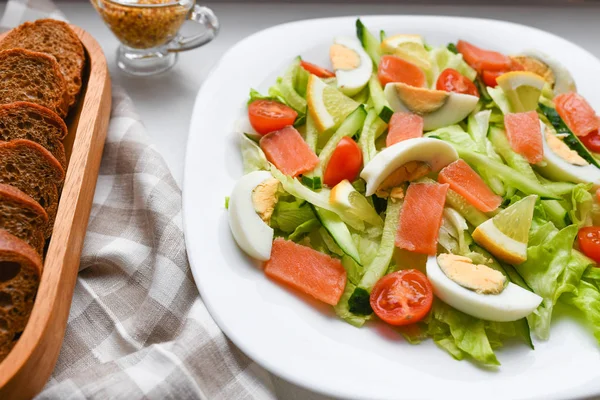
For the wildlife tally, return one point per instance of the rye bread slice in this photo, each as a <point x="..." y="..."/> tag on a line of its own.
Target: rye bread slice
<point x="20" y="272"/>
<point x="23" y="120"/>
<point x="23" y="217"/>
<point x="32" y="169"/>
<point x="55" y="38"/>
<point x="35" y="77"/>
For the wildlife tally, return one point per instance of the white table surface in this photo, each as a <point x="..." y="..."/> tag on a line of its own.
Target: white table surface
<point x="165" y="102"/>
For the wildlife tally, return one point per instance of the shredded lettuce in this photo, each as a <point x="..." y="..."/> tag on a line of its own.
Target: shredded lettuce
<point x="443" y="58"/>
<point x="253" y="158"/>
<point x="289" y="215"/>
<point x="320" y="199"/>
<point x="342" y="308"/>
<point x="586" y="298"/>
<point x="303" y="229"/>
<point x="552" y="268"/>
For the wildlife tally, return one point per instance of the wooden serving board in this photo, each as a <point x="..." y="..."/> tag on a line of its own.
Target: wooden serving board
<point x="28" y="366"/>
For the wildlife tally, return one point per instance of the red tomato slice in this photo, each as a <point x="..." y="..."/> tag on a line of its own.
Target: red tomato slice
<point x="591" y="141"/>
<point x="577" y="113"/>
<point x="481" y="59"/>
<point x="268" y="116"/>
<point x="395" y="69"/>
<point x="345" y="162"/>
<point x="316" y="70"/>
<point x="589" y="242"/>
<point x="402" y="297"/>
<point x="450" y="80"/>
<point x="489" y="77"/>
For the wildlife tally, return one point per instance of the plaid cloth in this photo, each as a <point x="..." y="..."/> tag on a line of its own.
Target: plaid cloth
<point x="137" y="327"/>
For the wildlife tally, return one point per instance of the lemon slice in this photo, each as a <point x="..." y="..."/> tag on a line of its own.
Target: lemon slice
<point x="522" y="88"/>
<point x="506" y="235"/>
<point x="409" y="48"/>
<point x="327" y="106"/>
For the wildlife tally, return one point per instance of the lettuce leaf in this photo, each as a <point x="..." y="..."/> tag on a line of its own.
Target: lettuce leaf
<point x="586" y="298"/>
<point x="443" y="58"/>
<point x="253" y="158"/>
<point x="582" y="202"/>
<point x="289" y="215"/>
<point x="460" y="334"/>
<point x="342" y="308"/>
<point x="455" y="135"/>
<point x="552" y="268"/>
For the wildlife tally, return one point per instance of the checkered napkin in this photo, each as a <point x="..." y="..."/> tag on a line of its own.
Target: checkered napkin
<point x="137" y="327"/>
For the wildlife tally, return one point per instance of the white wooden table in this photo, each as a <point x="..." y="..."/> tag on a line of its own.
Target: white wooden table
<point x="165" y="102"/>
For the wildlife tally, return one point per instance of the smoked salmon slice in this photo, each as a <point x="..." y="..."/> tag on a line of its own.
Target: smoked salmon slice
<point x="395" y="69"/>
<point x="524" y="135"/>
<point x="481" y="59"/>
<point x="289" y="153"/>
<point x="466" y="182"/>
<point x="577" y="113"/>
<point x="404" y="126"/>
<point x="421" y="217"/>
<point x="307" y="270"/>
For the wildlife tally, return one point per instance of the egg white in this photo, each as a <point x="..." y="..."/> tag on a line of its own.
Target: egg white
<point x="352" y="81"/>
<point x="512" y="304"/>
<point x="250" y="232"/>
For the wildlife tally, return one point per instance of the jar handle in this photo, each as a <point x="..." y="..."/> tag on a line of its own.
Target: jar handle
<point x="205" y="17"/>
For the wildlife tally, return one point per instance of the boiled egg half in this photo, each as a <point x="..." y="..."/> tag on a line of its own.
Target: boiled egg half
<point x="437" y="107"/>
<point x="478" y="290"/>
<point x="563" y="163"/>
<point x="405" y="161"/>
<point x="251" y="206"/>
<point x="352" y="65"/>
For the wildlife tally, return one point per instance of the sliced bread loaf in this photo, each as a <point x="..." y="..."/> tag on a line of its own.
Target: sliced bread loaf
<point x="35" y="77"/>
<point x="20" y="272"/>
<point x="32" y="169"/>
<point x="23" y="120"/>
<point x="23" y="217"/>
<point x="55" y="38"/>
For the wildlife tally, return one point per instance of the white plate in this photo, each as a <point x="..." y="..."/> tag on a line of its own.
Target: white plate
<point x="302" y="341"/>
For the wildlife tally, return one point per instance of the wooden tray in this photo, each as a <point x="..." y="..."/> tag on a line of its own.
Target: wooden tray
<point x="27" y="368"/>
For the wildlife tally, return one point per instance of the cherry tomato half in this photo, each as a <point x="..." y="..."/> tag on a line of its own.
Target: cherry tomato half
<point x="402" y="297"/>
<point x="268" y="116"/>
<point x="450" y="80"/>
<point x="591" y="141"/>
<point x="589" y="242"/>
<point x="345" y="162"/>
<point x="316" y="70"/>
<point x="395" y="69"/>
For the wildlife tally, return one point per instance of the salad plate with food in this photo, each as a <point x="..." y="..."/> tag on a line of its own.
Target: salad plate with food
<point x="403" y="207"/>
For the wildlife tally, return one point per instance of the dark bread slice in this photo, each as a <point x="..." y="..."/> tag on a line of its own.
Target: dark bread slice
<point x="32" y="169"/>
<point x="20" y="272"/>
<point x="35" y="77"/>
<point x="55" y="38"/>
<point x="23" y="120"/>
<point x="23" y="217"/>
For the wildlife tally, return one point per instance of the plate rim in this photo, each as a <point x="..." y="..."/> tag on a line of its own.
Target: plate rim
<point x="232" y="334"/>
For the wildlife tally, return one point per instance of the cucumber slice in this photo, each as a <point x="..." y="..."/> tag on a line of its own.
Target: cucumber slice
<point x="381" y="105"/>
<point x="313" y="182"/>
<point x="369" y="42"/>
<point x="352" y="124"/>
<point x="460" y="204"/>
<point x="338" y="231"/>
<point x="372" y="128"/>
<point x="288" y="90"/>
<point x="556" y="213"/>
<point x="377" y="268"/>
<point x="571" y="139"/>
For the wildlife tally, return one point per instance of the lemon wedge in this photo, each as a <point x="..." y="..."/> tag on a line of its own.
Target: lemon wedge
<point x="327" y="106"/>
<point x="506" y="235"/>
<point x="409" y="48"/>
<point x="522" y="88"/>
